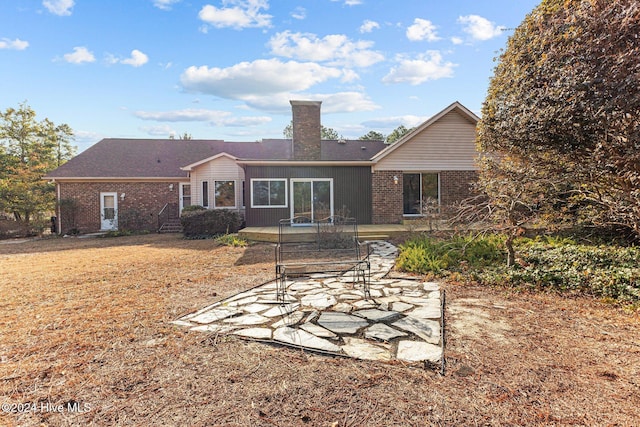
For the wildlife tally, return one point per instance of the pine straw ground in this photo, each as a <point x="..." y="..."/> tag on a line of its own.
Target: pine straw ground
<point x="85" y="324"/>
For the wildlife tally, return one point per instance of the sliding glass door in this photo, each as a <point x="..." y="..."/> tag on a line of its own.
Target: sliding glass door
<point x="312" y="198"/>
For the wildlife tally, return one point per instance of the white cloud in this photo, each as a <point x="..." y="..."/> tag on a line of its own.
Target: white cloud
<point x="187" y="115"/>
<point x="480" y="28"/>
<point x="456" y="40"/>
<point x="352" y="2"/>
<point x="85" y="139"/>
<point x="339" y="102"/>
<point x="393" y="122"/>
<point x="237" y="14"/>
<point x="335" y="49"/>
<point x="159" y="131"/>
<point x="164" y="4"/>
<point x="368" y="26"/>
<point x="258" y="78"/>
<point x="16" y="44"/>
<point x="428" y="66"/>
<point x="422" y="29"/>
<point x="299" y="13"/>
<point x="347" y="102"/>
<point x="137" y="59"/>
<point x="213" y="117"/>
<point x="80" y="54"/>
<point x="59" y="7"/>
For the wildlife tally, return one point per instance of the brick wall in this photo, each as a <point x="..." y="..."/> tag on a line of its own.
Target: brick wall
<point x="137" y="211"/>
<point x="387" y="197"/>
<point x="307" y="130"/>
<point x="455" y="186"/>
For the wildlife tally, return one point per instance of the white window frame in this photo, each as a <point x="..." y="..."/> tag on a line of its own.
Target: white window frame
<point x="114" y="221"/>
<point x="286" y="193"/>
<point x="181" y="195"/>
<point x="235" y="194"/>
<point x="312" y="180"/>
<point x="204" y="193"/>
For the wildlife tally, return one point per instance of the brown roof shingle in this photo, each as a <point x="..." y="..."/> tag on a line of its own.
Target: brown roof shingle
<point x="164" y="158"/>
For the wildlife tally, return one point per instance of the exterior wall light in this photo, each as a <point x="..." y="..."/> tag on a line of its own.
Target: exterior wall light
<point x="170" y="187"/>
<point x="395" y="179"/>
<point x="122" y="196"/>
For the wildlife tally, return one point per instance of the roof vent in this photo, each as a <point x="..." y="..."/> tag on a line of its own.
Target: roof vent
<point x="342" y="141"/>
<point x="363" y="148"/>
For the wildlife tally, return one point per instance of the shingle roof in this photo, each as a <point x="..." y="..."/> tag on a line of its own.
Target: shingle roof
<point x="164" y="158"/>
<point x="332" y="150"/>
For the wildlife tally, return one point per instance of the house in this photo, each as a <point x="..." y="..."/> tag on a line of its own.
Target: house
<point x="142" y="183"/>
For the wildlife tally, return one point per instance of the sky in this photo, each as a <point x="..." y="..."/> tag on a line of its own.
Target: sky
<point x="226" y="69"/>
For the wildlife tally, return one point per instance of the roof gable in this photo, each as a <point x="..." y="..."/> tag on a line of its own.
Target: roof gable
<point x="207" y="160"/>
<point x="456" y="106"/>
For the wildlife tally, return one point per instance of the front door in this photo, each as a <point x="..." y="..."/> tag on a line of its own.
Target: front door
<point x="312" y="198"/>
<point x="108" y="211"/>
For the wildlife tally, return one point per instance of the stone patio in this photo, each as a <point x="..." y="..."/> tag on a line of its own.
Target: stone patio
<point x="327" y="314"/>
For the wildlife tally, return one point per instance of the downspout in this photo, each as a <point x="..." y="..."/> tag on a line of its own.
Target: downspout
<point x="58" y="209"/>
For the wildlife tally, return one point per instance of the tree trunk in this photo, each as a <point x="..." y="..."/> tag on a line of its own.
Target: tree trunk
<point x="511" y="252"/>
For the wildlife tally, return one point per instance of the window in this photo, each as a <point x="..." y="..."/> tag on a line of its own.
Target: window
<point x="243" y="193"/>
<point x="225" y="194"/>
<point x="205" y="194"/>
<point x="420" y="192"/>
<point x="271" y="193"/>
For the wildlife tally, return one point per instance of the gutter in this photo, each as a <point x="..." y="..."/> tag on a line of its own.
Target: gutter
<point x="305" y="163"/>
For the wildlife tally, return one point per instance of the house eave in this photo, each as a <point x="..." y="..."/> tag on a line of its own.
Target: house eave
<point x="115" y="179"/>
<point x="305" y="162"/>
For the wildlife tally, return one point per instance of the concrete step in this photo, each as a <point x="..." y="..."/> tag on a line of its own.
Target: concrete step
<point x="171" y="226"/>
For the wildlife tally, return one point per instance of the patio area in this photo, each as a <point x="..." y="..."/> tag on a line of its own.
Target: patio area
<point x="402" y="320"/>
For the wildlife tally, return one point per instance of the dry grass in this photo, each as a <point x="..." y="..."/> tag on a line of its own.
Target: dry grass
<point x="87" y="322"/>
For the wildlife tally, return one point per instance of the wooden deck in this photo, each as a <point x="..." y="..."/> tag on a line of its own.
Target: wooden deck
<point x="365" y="232"/>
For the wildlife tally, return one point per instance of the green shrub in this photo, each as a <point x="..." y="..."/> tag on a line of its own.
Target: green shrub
<point x="427" y="254"/>
<point x="231" y="240"/>
<point x="604" y="271"/>
<point x="202" y="223"/>
<point x="608" y="271"/>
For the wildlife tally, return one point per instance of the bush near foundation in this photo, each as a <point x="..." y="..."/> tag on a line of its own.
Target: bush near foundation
<point x="208" y="223"/>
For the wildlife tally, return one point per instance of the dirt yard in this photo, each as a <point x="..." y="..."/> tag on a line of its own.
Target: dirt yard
<point x="85" y="339"/>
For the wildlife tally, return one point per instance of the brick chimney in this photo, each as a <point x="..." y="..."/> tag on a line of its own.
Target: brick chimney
<point x="306" y="130"/>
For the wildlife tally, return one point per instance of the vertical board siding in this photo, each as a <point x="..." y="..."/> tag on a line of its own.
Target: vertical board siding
<point x="351" y="190"/>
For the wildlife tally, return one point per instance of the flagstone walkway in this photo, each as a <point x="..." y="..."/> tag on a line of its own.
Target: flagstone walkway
<point x="327" y="314"/>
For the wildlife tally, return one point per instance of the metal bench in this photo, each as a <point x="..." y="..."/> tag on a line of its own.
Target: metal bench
<point x="329" y="245"/>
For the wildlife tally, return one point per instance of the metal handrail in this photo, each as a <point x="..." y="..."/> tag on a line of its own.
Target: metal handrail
<point x="159" y="223"/>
